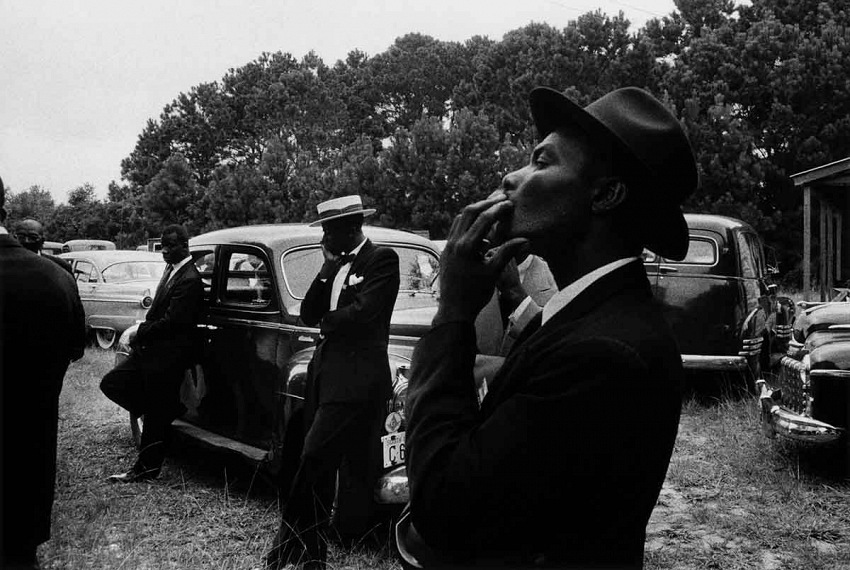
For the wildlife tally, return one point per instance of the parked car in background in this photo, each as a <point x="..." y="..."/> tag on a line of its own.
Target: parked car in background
<point x="51" y="248"/>
<point x="808" y="397"/>
<point x="246" y="393"/>
<point x="87" y="245"/>
<point x="116" y="288"/>
<point x="720" y="300"/>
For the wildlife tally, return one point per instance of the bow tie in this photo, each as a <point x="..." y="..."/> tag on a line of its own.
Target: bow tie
<point x="346" y="258"/>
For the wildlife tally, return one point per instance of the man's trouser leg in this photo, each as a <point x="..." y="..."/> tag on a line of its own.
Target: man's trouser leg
<point x="125" y="385"/>
<point x="305" y="516"/>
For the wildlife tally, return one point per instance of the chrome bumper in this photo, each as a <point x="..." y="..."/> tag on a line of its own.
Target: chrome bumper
<point x="392" y="487"/>
<point x="714" y="363"/>
<point x="777" y="420"/>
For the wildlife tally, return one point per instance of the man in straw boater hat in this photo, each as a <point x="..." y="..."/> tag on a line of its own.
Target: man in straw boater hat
<point x="563" y="463"/>
<point x="348" y="382"/>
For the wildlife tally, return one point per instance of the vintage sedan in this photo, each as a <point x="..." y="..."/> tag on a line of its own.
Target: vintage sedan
<point x="808" y="397"/>
<point x="116" y="288"/>
<point x="246" y="393"/>
<point x="720" y="301"/>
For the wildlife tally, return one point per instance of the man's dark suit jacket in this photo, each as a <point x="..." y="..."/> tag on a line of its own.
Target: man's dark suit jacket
<point x="350" y="363"/>
<point x="565" y="459"/>
<point x="60" y="262"/>
<point x="168" y="337"/>
<point x="42" y="329"/>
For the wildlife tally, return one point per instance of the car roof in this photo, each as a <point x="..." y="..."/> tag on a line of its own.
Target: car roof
<point x="283" y="236"/>
<point x="105" y="256"/>
<point x="715" y="222"/>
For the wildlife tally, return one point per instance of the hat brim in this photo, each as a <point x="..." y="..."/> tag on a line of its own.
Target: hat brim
<point x="667" y="235"/>
<point x="364" y="213"/>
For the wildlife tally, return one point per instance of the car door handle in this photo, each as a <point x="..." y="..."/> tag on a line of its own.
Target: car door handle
<point x="668" y="269"/>
<point x="209" y="327"/>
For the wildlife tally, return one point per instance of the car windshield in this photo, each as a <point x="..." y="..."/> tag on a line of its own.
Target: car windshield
<point x="133" y="271"/>
<point x="418" y="270"/>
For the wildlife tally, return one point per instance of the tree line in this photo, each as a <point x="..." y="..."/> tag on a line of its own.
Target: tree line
<point x="427" y="126"/>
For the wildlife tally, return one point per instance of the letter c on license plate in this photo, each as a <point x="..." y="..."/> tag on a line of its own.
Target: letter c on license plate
<point x="393" y="449"/>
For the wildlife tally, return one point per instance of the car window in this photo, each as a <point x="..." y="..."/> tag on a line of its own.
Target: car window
<point x="85" y="272"/>
<point x="701" y="251"/>
<point x="133" y="271"/>
<point x="247" y="280"/>
<point x="205" y="263"/>
<point x="752" y="260"/>
<point x="418" y="270"/>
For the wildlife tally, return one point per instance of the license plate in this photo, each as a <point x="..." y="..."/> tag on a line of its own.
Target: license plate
<point x="393" y="449"/>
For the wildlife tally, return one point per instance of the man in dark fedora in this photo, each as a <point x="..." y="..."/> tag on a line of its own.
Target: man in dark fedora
<point x="148" y="383"/>
<point x="562" y="464"/>
<point x="351" y="300"/>
<point x="42" y="329"/>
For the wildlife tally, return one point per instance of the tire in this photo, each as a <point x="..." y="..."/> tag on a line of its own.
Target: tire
<point x="136" y="424"/>
<point x="105" y="338"/>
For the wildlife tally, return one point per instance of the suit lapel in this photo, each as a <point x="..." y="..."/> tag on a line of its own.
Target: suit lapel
<point x="163" y="291"/>
<point x="357" y="266"/>
<point x="562" y="323"/>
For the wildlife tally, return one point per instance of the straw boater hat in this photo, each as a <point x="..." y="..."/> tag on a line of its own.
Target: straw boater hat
<point x="339" y="208"/>
<point x="648" y="147"/>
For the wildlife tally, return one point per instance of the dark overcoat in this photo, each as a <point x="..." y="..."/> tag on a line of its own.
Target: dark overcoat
<point x="42" y="329"/>
<point x="564" y="461"/>
<point x="350" y="363"/>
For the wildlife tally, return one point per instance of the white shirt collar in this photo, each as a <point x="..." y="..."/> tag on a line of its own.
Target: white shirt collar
<point x="563" y="297"/>
<point x="357" y="249"/>
<point x="178" y="265"/>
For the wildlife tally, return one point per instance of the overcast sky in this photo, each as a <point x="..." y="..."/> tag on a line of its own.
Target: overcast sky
<point x="79" y="79"/>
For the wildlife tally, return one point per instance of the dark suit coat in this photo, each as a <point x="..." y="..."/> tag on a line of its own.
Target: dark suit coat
<point x="63" y="263"/>
<point x="42" y="329"/>
<point x="350" y="363"/>
<point x="169" y="336"/>
<point x="567" y="455"/>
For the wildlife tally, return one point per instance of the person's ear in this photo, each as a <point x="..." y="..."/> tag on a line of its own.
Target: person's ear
<point x="608" y="195"/>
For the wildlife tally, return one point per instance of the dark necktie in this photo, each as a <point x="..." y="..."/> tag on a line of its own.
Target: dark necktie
<point x="168" y="269"/>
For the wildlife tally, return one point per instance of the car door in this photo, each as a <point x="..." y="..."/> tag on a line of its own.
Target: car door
<point x="242" y="330"/>
<point x="698" y="296"/>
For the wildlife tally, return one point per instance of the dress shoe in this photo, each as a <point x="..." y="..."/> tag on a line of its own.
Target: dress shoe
<point x="132" y="476"/>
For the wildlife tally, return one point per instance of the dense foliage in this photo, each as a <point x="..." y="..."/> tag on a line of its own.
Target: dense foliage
<point x="428" y="126"/>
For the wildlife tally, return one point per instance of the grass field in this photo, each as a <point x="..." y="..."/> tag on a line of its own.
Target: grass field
<point x="732" y="499"/>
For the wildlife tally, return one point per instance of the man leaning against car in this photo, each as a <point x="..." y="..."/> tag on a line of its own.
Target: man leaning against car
<point x="563" y="463"/>
<point x="349" y="381"/>
<point x="148" y="382"/>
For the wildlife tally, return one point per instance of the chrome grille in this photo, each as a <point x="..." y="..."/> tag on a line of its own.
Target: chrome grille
<point x="794" y="383"/>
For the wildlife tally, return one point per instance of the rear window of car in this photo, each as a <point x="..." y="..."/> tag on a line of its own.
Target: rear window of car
<point x="418" y="270"/>
<point x="133" y="271"/>
<point x="701" y="251"/>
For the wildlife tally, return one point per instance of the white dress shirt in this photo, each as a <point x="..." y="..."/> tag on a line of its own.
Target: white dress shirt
<point x="341" y="275"/>
<point x="176" y="267"/>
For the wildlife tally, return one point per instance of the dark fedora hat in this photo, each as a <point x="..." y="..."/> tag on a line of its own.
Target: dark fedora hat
<point x="648" y="148"/>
